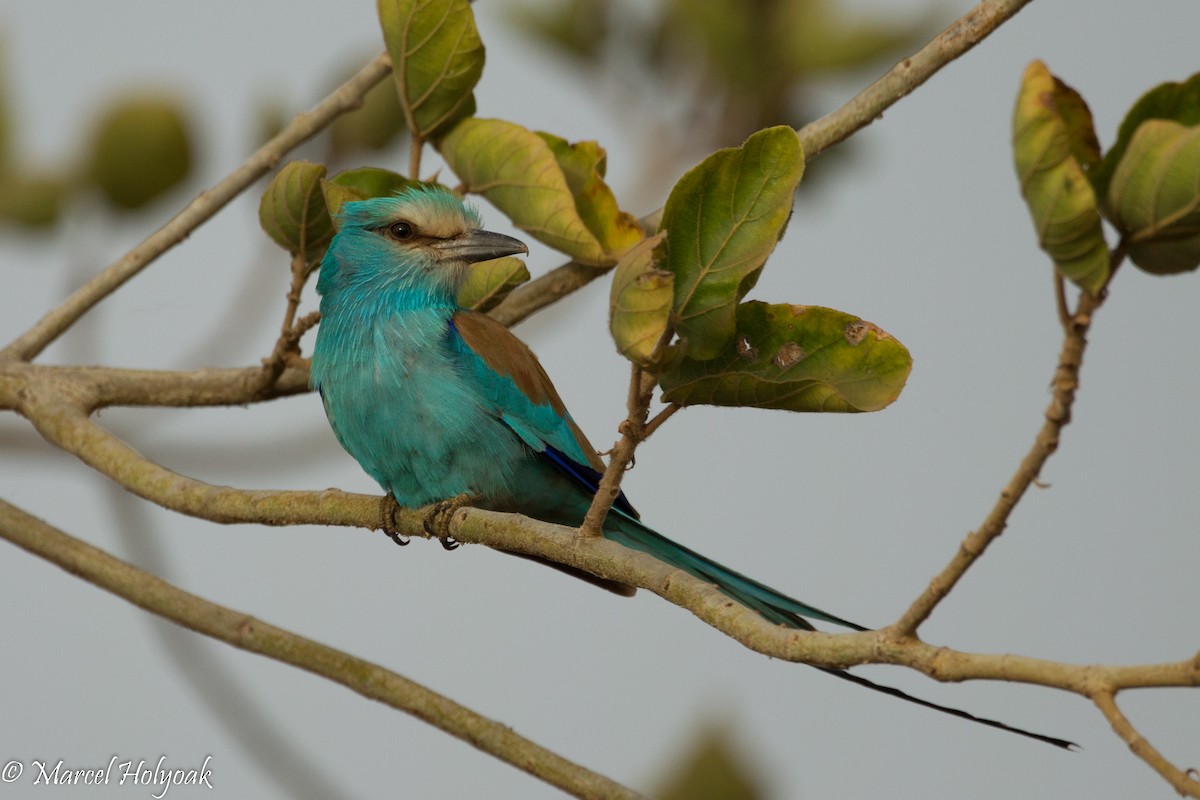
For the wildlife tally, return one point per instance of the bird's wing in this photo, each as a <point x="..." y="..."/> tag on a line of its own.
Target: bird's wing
<point x="525" y="400"/>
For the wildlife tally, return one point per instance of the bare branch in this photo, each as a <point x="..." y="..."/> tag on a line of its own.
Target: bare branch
<point x="1181" y="781"/>
<point x="868" y="105"/>
<point x="345" y="98"/>
<point x="98" y="387"/>
<point x="69" y="428"/>
<point x="633" y="432"/>
<point x="817" y="136"/>
<point x="244" y="632"/>
<point x="1057" y="415"/>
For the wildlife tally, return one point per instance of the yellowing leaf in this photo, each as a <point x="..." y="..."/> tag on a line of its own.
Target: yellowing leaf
<point x="1154" y="196"/>
<point x="583" y="165"/>
<point x="723" y="219"/>
<point x="640" y="303"/>
<point x="437" y="59"/>
<point x="1174" y="101"/>
<point x="489" y="282"/>
<point x="797" y="358"/>
<point x="517" y="172"/>
<point x="1053" y="142"/>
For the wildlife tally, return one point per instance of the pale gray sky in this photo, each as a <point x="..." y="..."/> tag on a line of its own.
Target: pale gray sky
<point x="924" y="234"/>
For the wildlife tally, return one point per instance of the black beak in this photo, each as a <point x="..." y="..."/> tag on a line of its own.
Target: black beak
<point x="478" y="245"/>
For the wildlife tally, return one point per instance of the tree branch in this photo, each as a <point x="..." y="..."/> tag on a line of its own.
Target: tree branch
<point x="898" y="82"/>
<point x="1181" y="781"/>
<point x="345" y="98"/>
<point x="244" y="632"/>
<point x="98" y="387"/>
<point x="633" y="433"/>
<point x="815" y="137"/>
<point x="69" y="428"/>
<point x="1057" y="415"/>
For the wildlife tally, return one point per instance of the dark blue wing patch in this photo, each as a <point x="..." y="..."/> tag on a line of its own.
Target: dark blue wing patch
<point x="586" y="477"/>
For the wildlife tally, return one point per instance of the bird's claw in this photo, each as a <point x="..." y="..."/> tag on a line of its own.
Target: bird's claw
<point x="389" y="509"/>
<point x="437" y="521"/>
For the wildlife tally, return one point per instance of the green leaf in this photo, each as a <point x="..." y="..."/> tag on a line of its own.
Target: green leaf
<point x="437" y="59"/>
<point x="723" y="219"/>
<point x="336" y="196"/>
<point x="359" y="184"/>
<point x="640" y="303"/>
<point x="373" y="181"/>
<point x="797" y="358"/>
<point x="140" y="149"/>
<point x="1154" y="196"/>
<point x="33" y="200"/>
<point x="373" y="126"/>
<point x="1174" y="101"/>
<point x="711" y="769"/>
<point x="517" y="172"/>
<point x="583" y="165"/>
<point x="489" y="282"/>
<point x="293" y="212"/>
<point x="1053" y="144"/>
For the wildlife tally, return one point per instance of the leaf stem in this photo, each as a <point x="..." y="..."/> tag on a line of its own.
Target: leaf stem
<point x="414" y="157"/>
<point x="1180" y="781"/>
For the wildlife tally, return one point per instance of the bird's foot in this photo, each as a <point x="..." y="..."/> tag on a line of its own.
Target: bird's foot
<point x="437" y="521"/>
<point x="389" y="507"/>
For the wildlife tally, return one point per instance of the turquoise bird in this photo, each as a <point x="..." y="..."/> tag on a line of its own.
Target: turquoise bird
<point x="436" y="401"/>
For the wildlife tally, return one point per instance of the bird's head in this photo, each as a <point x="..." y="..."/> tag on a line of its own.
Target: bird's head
<point x="421" y="239"/>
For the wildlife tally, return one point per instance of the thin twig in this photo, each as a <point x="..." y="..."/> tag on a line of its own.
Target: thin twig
<point x="868" y="105"/>
<point x="659" y="419"/>
<point x="71" y="430"/>
<point x="817" y="136"/>
<point x="244" y="632"/>
<point x="1180" y="780"/>
<point x="633" y="433"/>
<point x="345" y="98"/>
<point x="287" y="351"/>
<point x="526" y="300"/>
<point x="1057" y="415"/>
<point x="288" y="343"/>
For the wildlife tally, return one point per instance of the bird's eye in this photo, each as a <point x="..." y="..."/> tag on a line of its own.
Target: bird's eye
<point x="401" y="230"/>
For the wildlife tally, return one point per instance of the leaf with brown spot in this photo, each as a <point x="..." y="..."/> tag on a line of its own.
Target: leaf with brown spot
<point x="797" y="358"/>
